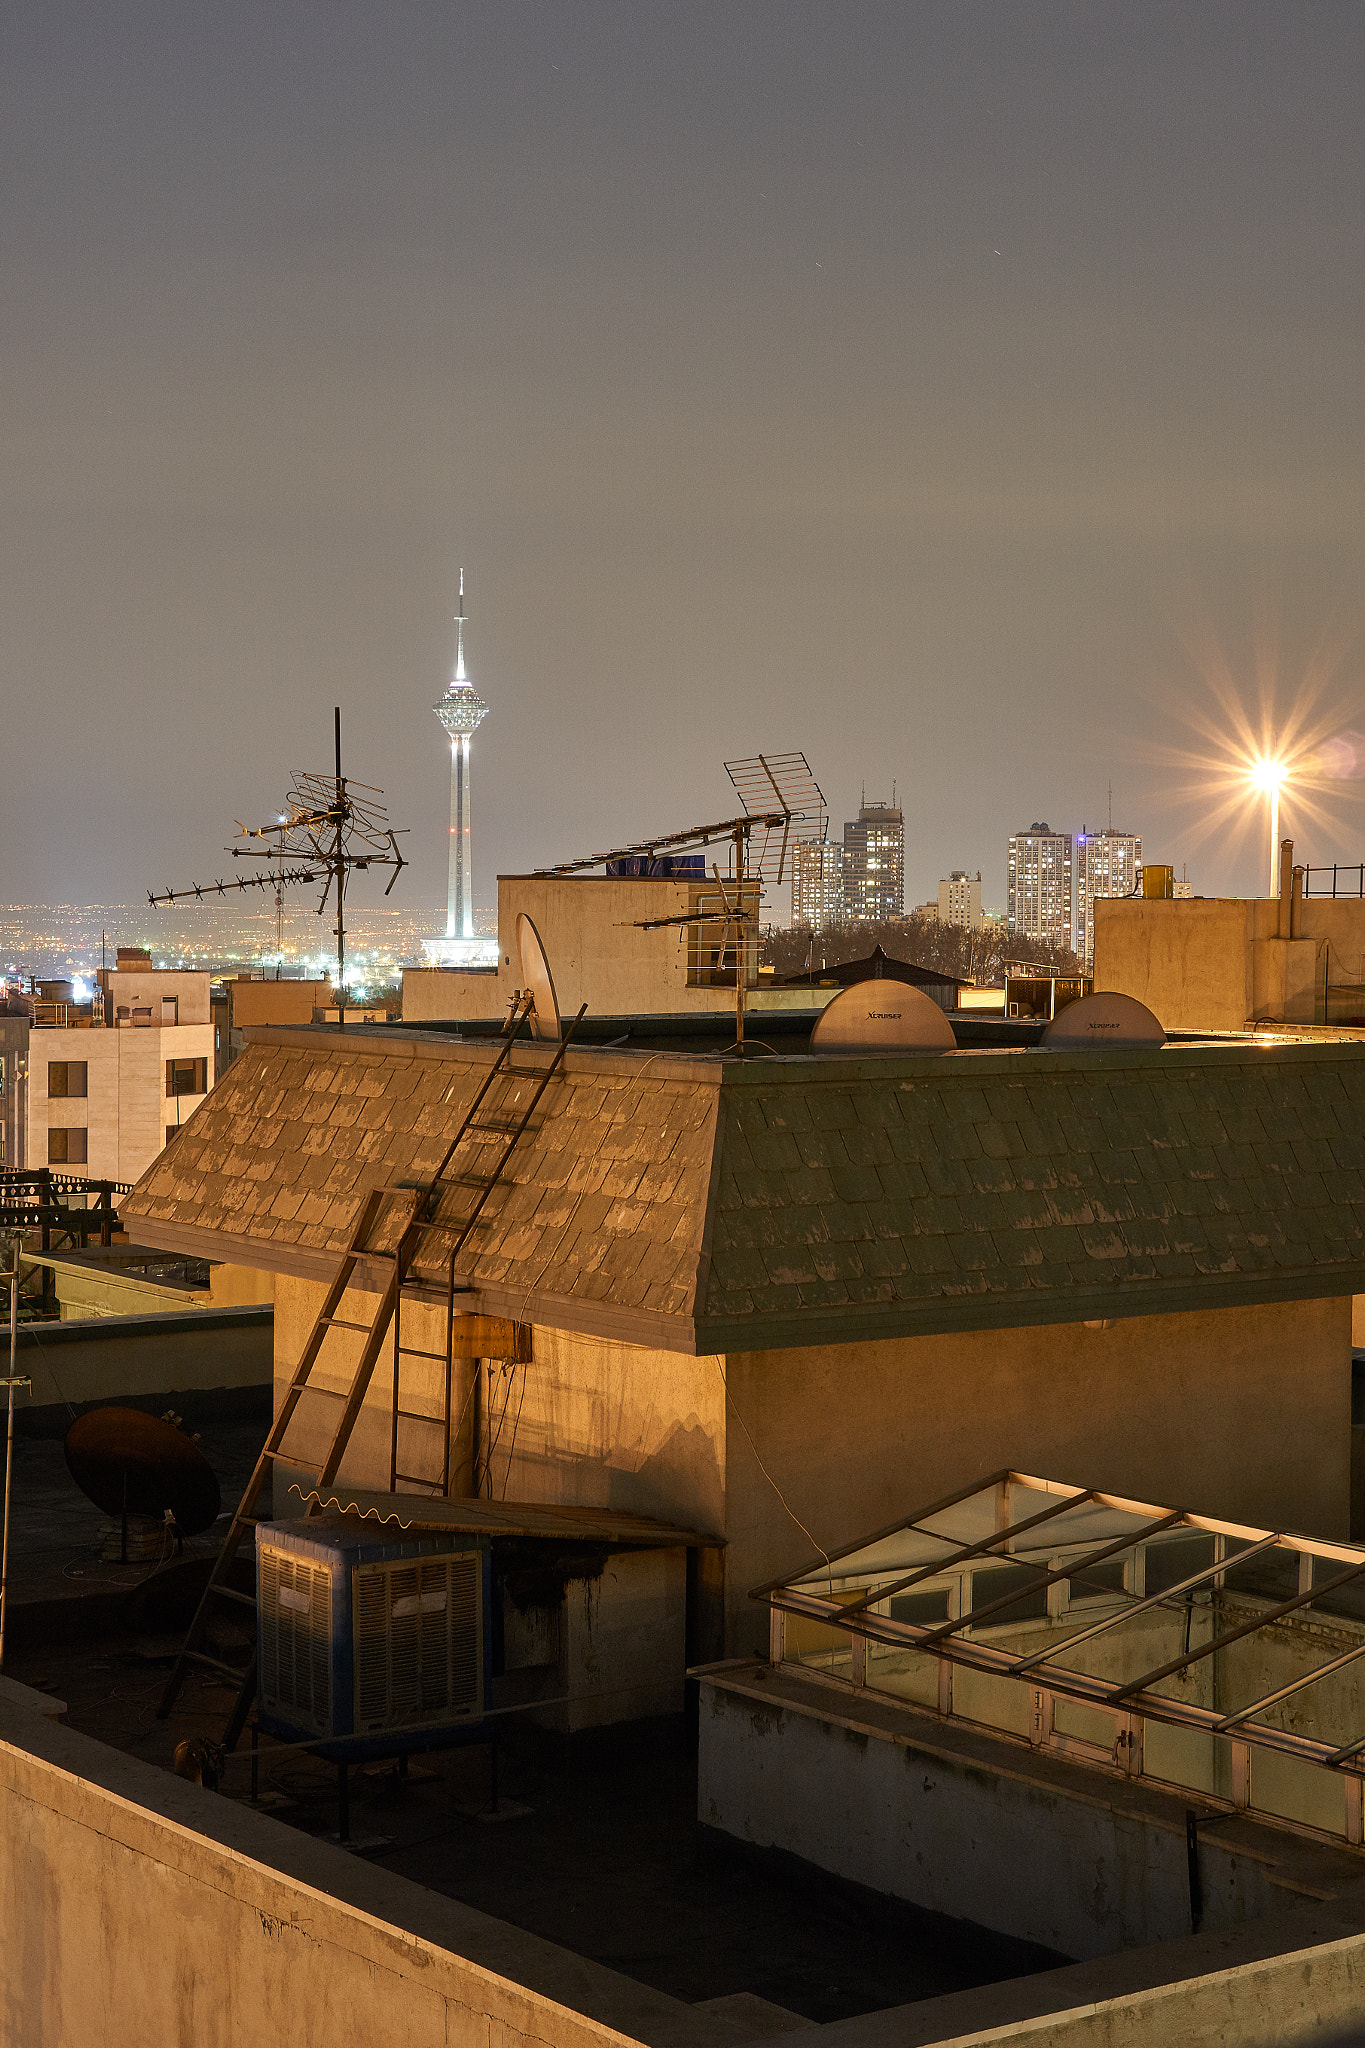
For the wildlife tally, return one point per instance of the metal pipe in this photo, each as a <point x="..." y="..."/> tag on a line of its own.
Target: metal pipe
<point x="9" y="1442"/>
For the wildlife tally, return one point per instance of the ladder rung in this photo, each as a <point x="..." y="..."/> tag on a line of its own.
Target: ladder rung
<point x="232" y="1671"/>
<point x="411" y="1351"/>
<point x="290" y="1458"/>
<point x="415" y="1415"/>
<point x="231" y="1593"/>
<point x="419" y="1479"/>
<point x="339" y="1323"/>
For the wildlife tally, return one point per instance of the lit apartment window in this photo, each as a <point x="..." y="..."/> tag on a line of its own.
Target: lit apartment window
<point x="66" y="1077"/>
<point x="187" y="1077"/>
<point x="66" y="1148"/>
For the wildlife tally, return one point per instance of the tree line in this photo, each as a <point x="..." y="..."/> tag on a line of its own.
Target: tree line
<point x="979" y="956"/>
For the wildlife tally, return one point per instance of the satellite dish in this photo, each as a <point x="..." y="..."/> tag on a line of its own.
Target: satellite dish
<point x="1106" y="1018"/>
<point x="537" y="980"/>
<point x="882" y="1016"/>
<point x="135" y="1464"/>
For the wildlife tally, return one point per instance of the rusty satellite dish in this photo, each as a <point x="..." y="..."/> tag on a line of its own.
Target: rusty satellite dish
<point x="537" y="981"/>
<point x="1105" y="1018"/>
<point x="129" y="1463"/>
<point x="882" y="1016"/>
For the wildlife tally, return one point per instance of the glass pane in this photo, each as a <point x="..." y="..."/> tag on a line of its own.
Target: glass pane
<point x="1294" y="1790"/>
<point x="924" y="1610"/>
<point x="1173" y="1558"/>
<point x="1272" y="1575"/>
<point x="1097" y="1582"/>
<point x="996" y="1702"/>
<point x="1180" y="1756"/>
<point x="1347" y="1600"/>
<point x="996" y="1582"/>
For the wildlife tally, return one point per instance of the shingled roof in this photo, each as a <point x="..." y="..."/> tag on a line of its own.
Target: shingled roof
<point x="711" y="1205"/>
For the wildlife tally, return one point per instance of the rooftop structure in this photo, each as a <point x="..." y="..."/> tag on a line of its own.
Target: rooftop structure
<point x="461" y="711"/>
<point x="876" y="1266"/>
<point x="1222" y="963"/>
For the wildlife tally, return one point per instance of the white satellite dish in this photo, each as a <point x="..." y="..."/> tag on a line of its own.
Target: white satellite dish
<point x="537" y="981"/>
<point x="1105" y="1018"/>
<point x="883" y="1016"/>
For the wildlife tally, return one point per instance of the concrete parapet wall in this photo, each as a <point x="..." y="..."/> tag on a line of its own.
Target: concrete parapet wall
<point x="214" y="1355"/>
<point x="970" y="1825"/>
<point x="136" y="1910"/>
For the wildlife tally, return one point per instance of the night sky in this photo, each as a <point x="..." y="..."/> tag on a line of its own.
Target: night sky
<point x="969" y="395"/>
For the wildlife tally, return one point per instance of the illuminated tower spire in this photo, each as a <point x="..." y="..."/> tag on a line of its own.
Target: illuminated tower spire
<point x="460" y="711"/>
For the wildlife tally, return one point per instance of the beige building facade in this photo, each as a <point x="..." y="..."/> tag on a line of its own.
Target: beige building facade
<point x="104" y="1098"/>
<point x="608" y="948"/>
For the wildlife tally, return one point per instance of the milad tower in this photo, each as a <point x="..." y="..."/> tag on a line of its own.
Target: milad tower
<point x="461" y="711"/>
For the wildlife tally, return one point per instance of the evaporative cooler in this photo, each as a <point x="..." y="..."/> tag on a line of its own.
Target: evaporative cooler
<point x="385" y="1640"/>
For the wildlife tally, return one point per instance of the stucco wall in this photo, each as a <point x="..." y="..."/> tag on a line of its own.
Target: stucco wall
<point x="616" y="1425"/>
<point x="421" y="1385"/>
<point x="588" y="926"/>
<point x="1045" y="1852"/>
<point x="1219" y="963"/>
<point x="587" y="1422"/>
<point x="182" y="1358"/>
<point x="136" y="1909"/>
<point x="1189" y="961"/>
<point x="1243" y="1413"/>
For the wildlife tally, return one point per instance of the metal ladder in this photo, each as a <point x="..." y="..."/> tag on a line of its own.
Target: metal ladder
<point x="421" y="1204"/>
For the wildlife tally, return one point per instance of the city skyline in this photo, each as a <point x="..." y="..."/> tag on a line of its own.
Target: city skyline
<point x="921" y="320"/>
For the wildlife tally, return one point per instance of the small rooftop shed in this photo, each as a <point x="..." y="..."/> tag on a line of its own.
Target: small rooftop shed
<point x="772" y="1296"/>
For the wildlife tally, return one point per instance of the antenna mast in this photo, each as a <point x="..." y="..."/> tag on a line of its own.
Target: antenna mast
<point x="331" y="829"/>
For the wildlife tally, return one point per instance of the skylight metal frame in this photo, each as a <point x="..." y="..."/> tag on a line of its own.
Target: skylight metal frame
<point x="948" y="1642"/>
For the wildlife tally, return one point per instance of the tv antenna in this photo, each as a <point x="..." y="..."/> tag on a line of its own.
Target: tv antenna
<point x="331" y="828"/>
<point x="783" y="807"/>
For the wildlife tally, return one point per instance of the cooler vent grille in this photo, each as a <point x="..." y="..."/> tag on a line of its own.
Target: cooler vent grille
<point x="296" y="1639"/>
<point x="418" y="1628"/>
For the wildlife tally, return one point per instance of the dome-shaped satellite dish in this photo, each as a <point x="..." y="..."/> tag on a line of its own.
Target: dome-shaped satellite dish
<point x="537" y="981"/>
<point x="882" y="1016"/>
<point x="1105" y="1018"/>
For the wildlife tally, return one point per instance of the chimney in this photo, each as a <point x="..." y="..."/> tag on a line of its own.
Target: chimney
<point x="1286" y="884"/>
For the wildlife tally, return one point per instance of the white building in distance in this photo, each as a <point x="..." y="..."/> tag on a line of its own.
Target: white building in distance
<point x="959" y="900"/>
<point x="106" y="1093"/>
<point x="817" y="886"/>
<point x="1108" y="863"/>
<point x="1041" y="871"/>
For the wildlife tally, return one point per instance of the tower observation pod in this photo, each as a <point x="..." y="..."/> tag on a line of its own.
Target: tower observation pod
<point x="461" y="711"/>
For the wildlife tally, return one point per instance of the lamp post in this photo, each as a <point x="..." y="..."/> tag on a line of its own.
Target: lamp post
<point x="1269" y="775"/>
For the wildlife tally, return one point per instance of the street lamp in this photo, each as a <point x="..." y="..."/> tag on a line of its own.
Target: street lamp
<point x="1269" y="775"/>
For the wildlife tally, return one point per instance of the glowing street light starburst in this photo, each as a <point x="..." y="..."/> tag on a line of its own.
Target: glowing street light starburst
<point x="1242" y="758"/>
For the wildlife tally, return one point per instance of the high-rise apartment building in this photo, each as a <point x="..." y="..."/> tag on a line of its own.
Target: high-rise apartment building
<point x="874" y="864"/>
<point x="1040" y="885"/>
<point x="959" y="900"/>
<point x="817" y="886"/>
<point x="1108" y="863"/>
